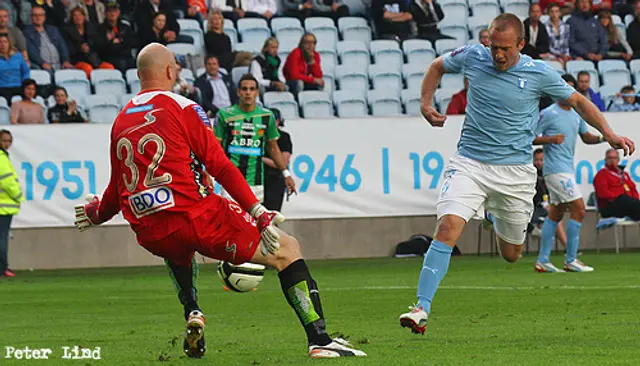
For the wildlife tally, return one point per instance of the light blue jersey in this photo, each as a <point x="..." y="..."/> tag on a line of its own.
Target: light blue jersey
<point x="558" y="158"/>
<point x="502" y="107"/>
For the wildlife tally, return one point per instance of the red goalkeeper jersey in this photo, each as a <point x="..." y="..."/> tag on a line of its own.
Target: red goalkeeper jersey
<point x="161" y="144"/>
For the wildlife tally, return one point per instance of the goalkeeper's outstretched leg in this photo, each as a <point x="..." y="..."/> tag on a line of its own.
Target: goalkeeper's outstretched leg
<point x="302" y="294"/>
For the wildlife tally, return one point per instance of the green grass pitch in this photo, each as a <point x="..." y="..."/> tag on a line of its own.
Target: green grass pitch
<point x="487" y="312"/>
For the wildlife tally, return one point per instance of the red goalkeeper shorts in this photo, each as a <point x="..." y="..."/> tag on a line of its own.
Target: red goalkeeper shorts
<point x="224" y="231"/>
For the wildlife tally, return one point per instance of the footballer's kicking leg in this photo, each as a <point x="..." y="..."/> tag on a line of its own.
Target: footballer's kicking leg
<point x="302" y="294"/>
<point x="571" y="262"/>
<point x="183" y="278"/>
<point x="549" y="229"/>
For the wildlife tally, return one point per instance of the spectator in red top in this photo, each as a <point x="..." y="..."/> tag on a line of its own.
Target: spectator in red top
<point x="458" y="103"/>
<point x="302" y="68"/>
<point x="566" y="6"/>
<point x="616" y="192"/>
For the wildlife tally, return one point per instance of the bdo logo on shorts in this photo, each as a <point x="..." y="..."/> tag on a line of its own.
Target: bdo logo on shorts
<point x="151" y="201"/>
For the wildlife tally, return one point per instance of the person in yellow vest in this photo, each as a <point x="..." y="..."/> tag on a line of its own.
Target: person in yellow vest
<point x="10" y="198"/>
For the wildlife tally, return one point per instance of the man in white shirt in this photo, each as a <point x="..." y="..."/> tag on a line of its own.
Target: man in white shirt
<point x="216" y="87"/>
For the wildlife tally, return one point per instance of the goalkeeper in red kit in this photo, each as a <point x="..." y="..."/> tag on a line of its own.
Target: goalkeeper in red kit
<point x="161" y="144"/>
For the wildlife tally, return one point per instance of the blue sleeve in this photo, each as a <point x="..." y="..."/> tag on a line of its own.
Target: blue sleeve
<point x="542" y="124"/>
<point x="32" y="49"/>
<point x="552" y="84"/>
<point x="25" y="72"/>
<point x="582" y="129"/>
<point x="454" y="61"/>
<point x="597" y="100"/>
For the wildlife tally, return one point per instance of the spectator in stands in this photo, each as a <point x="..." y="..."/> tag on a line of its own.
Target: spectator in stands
<point x="392" y="19"/>
<point x="145" y="15"/>
<point x="535" y="34"/>
<point x="566" y="6"/>
<point x="274" y="186"/>
<point x="184" y="87"/>
<point x="541" y="202"/>
<point x="217" y="43"/>
<point x="194" y="9"/>
<point x="267" y="67"/>
<point x="584" y="88"/>
<point x="47" y="49"/>
<point x="93" y="10"/>
<point x="302" y="68"/>
<point x="26" y="110"/>
<point x="117" y="39"/>
<point x="629" y="103"/>
<point x="427" y="14"/>
<point x="216" y="88"/>
<point x="19" y="12"/>
<point x="300" y="9"/>
<point x="600" y="5"/>
<point x="458" y="103"/>
<point x="84" y="43"/>
<point x="587" y="39"/>
<point x="558" y="32"/>
<point x="226" y="7"/>
<point x="483" y="37"/>
<point x="261" y="8"/>
<point x="13" y="69"/>
<point x="56" y="12"/>
<point x="618" y="47"/>
<point x="334" y="9"/>
<point x="10" y="199"/>
<point x="65" y="111"/>
<point x="615" y="190"/>
<point x="15" y="35"/>
<point x="633" y="32"/>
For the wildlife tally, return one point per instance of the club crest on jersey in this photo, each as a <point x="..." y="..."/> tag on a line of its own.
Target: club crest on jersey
<point x="522" y="83"/>
<point x="151" y="201"/>
<point x="459" y="50"/>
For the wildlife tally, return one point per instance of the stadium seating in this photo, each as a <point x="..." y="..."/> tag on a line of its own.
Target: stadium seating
<point x="609" y="94"/>
<point x="328" y="75"/>
<point x="288" y="31"/>
<point x="382" y="77"/>
<point x="443" y="97"/>
<point x="458" y="31"/>
<point x="133" y="81"/>
<point x="191" y="27"/>
<point x="102" y="108"/>
<point x="476" y="24"/>
<point x="556" y="65"/>
<point x="253" y="30"/>
<point x="352" y="77"/>
<point x="452" y="81"/>
<point x="125" y="99"/>
<point x="418" y="51"/>
<point x="353" y="52"/>
<point x="5" y="112"/>
<point x="484" y="9"/>
<point x="284" y="101"/>
<point x="328" y="57"/>
<point x="108" y="82"/>
<point x="447" y="45"/>
<point x="325" y="31"/>
<point x="187" y="75"/>
<point x="574" y="67"/>
<point x="231" y="31"/>
<point x="614" y="73"/>
<point x="237" y="72"/>
<point x="251" y="46"/>
<point x="519" y="8"/>
<point x="455" y="13"/>
<point x="413" y="74"/>
<point x="75" y="81"/>
<point x="384" y="103"/>
<point x="411" y="101"/>
<point x="387" y="53"/>
<point x="200" y="71"/>
<point x="42" y="77"/>
<point x="354" y="29"/>
<point x="182" y="48"/>
<point x="350" y="103"/>
<point x="315" y="104"/>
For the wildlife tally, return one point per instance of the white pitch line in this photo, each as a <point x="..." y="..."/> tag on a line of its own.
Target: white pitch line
<point x="490" y="288"/>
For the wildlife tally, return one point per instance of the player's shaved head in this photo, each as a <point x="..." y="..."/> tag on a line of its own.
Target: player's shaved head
<point x="157" y="67"/>
<point x="506" y="21"/>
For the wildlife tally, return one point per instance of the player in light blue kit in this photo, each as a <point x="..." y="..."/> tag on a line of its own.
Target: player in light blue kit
<point x="493" y="164"/>
<point x="557" y="130"/>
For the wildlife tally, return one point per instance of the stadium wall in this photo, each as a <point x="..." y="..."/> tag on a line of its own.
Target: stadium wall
<point x="365" y="185"/>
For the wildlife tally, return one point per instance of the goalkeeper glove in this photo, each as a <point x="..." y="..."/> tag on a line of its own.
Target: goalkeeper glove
<point x="266" y="220"/>
<point x="87" y="214"/>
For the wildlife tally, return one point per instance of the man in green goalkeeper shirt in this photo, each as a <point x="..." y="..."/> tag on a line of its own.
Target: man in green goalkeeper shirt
<point x="245" y="130"/>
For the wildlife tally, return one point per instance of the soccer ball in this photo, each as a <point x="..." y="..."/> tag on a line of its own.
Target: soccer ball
<point x="242" y="277"/>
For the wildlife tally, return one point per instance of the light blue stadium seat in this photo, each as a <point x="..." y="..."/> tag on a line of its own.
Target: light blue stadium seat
<point x="476" y="24"/>
<point x="108" y="82"/>
<point x="5" y="112"/>
<point x="132" y="80"/>
<point x="574" y="67"/>
<point x="452" y="81"/>
<point x="42" y="77"/>
<point x="102" y="108"/>
<point x="284" y="101"/>
<point x="387" y="53"/>
<point x="75" y="81"/>
<point x="329" y="76"/>
<point x="418" y="51"/>
<point x="187" y="75"/>
<point x="628" y="19"/>
<point x="350" y="103"/>
<point x="411" y="101"/>
<point x="458" y="31"/>
<point x="609" y="94"/>
<point x="280" y="23"/>
<point x="519" y="8"/>
<point x="354" y="29"/>
<point x="253" y="30"/>
<point x="455" y="13"/>
<point x="556" y="65"/>
<point x="474" y="2"/>
<point x="485" y="10"/>
<point x="614" y="72"/>
<point x="447" y="45"/>
<point x="352" y="77"/>
<point x="288" y="31"/>
<point x="191" y="27"/>
<point x="382" y="77"/>
<point x="354" y="52"/>
<point x="252" y="46"/>
<point x="413" y="74"/>
<point x="273" y="97"/>
<point x="126" y="98"/>
<point x="182" y="48"/>
<point x="237" y="72"/>
<point x="443" y="97"/>
<point x="315" y="104"/>
<point x="231" y="31"/>
<point x="328" y="57"/>
<point x="325" y="31"/>
<point x="384" y="103"/>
